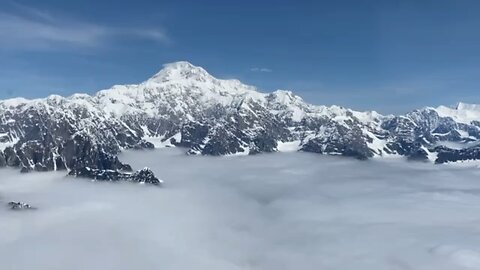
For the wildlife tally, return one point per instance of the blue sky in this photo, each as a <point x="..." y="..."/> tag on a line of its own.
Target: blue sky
<point x="390" y="56"/>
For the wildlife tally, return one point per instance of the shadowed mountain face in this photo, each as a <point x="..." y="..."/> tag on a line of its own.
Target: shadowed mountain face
<point x="183" y="105"/>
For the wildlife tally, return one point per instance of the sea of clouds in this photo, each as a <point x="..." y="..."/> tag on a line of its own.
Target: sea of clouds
<point x="272" y="211"/>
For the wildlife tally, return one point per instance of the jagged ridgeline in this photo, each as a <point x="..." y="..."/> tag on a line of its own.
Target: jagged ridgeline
<point x="183" y="105"/>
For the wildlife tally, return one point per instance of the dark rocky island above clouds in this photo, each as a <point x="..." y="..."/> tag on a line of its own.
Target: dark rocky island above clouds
<point x="183" y="105"/>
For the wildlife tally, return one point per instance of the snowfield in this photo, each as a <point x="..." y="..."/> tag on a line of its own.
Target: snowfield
<point x="270" y="211"/>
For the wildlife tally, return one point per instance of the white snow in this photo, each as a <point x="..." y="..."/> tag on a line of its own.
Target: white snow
<point x="7" y="141"/>
<point x="161" y="141"/>
<point x="457" y="145"/>
<point x="431" y="156"/>
<point x="462" y="113"/>
<point x="14" y="102"/>
<point x="288" y="146"/>
<point x="4" y="145"/>
<point x="286" y="101"/>
<point x="376" y="144"/>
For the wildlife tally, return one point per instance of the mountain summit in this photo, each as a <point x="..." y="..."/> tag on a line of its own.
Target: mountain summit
<point x="184" y="106"/>
<point x="181" y="70"/>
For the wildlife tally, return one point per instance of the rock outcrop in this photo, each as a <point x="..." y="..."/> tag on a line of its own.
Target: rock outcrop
<point x="144" y="176"/>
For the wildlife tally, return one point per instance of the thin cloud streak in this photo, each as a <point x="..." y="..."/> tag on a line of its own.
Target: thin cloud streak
<point x="19" y="32"/>
<point x="158" y="35"/>
<point x="45" y="32"/>
<point x="31" y="12"/>
<point x="261" y="69"/>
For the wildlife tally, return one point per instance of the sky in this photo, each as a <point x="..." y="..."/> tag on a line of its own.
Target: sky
<point x="389" y="56"/>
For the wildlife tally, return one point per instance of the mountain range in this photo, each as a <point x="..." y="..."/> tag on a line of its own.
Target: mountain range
<point x="184" y="106"/>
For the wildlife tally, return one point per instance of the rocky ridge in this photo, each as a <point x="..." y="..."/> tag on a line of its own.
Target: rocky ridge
<point x="183" y="105"/>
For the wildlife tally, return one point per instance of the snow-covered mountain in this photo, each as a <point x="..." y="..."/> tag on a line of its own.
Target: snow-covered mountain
<point x="183" y="105"/>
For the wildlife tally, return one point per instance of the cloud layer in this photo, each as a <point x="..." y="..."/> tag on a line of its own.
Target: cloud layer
<point x="280" y="211"/>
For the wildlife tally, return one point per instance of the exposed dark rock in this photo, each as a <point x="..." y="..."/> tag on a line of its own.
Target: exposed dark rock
<point x="143" y="145"/>
<point x="193" y="134"/>
<point x="412" y="150"/>
<point x="339" y="140"/>
<point x="263" y="143"/>
<point x="20" y="206"/>
<point x="11" y="157"/>
<point x="25" y="170"/>
<point x="142" y="176"/>
<point x="145" y="176"/>
<point x="446" y="154"/>
<point x="3" y="161"/>
<point x="40" y="168"/>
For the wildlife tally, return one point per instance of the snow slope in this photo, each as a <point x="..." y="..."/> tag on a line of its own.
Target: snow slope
<point x="462" y="112"/>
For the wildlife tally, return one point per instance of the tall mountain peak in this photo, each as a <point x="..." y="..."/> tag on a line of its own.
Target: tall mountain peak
<point x="181" y="70"/>
<point x="184" y="105"/>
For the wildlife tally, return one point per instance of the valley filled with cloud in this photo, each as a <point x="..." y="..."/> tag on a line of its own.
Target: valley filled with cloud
<point x="269" y="211"/>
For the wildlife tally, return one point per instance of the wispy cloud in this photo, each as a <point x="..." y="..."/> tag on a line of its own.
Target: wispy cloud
<point x="36" y="29"/>
<point x="29" y="11"/>
<point x="158" y="35"/>
<point x="260" y="69"/>
<point x="21" y="32"/>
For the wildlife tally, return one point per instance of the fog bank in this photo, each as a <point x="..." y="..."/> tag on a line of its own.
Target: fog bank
<point x="272" y="211"/>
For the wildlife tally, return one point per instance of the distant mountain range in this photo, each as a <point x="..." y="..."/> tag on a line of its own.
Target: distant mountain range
<point x="183" y="105"/>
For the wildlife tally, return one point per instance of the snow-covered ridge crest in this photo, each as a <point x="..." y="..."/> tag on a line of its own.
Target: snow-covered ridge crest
<point x="468" y="107"/>
<point x="178" y="87"/>
<point x="462" y="112"/>
<point x="181" y="85"/>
